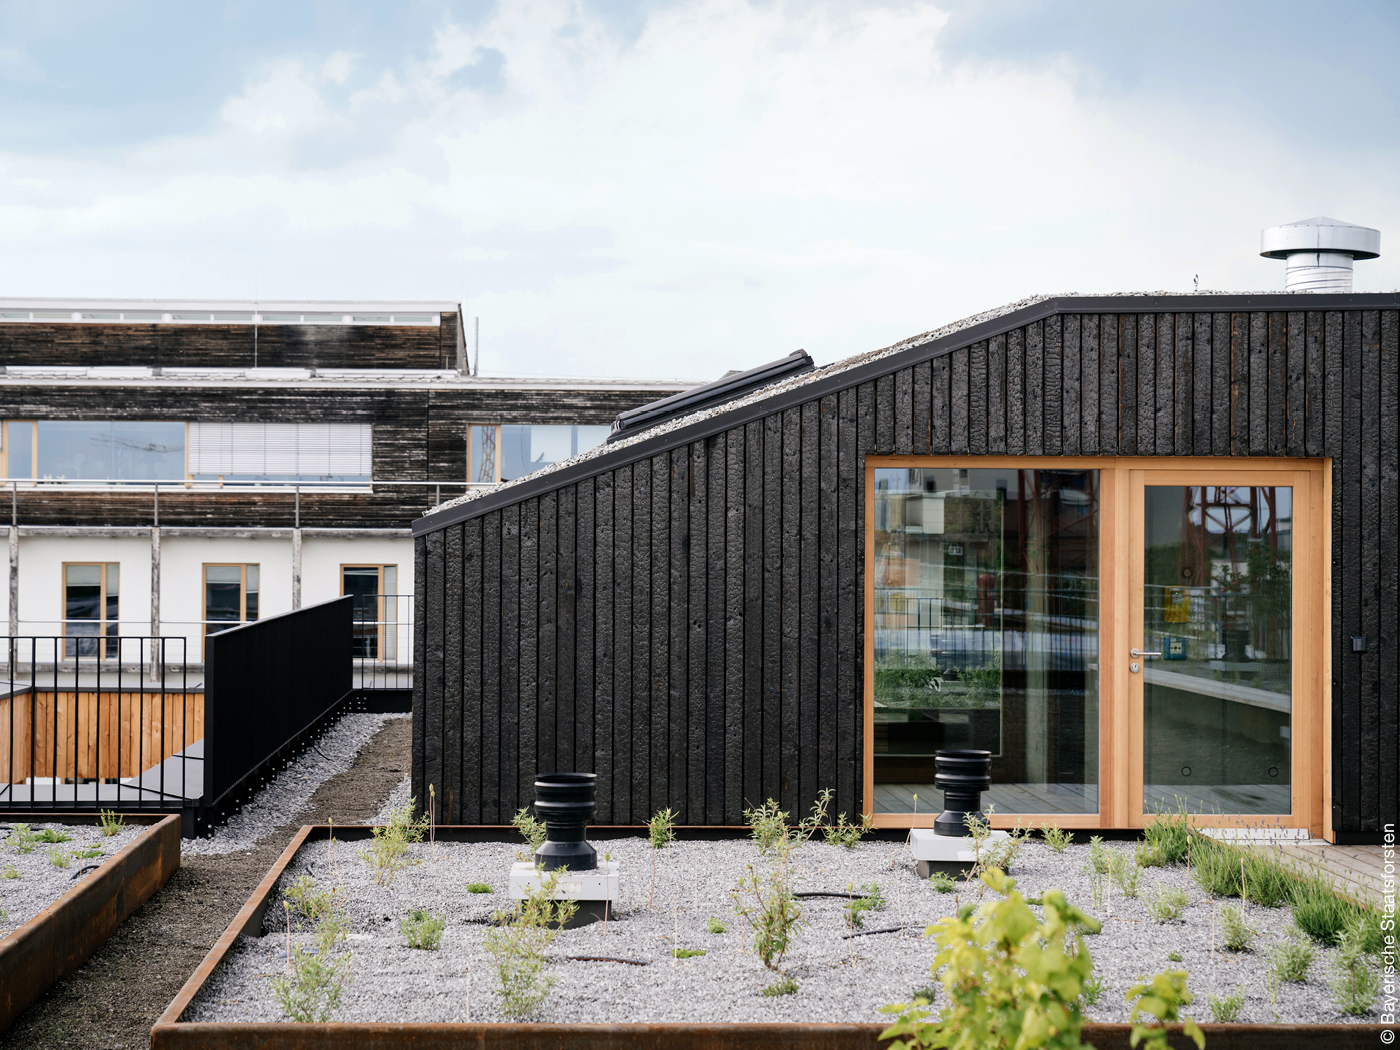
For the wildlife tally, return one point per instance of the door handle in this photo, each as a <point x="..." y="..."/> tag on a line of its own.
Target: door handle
<point x="1135" y="653"/>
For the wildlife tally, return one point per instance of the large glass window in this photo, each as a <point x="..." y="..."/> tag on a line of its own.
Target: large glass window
<point x="986" y="633"/>
<point x="230" y="596"/>
<point x="234" y="452"/>
<point x="19" y="449"/>
<point x="91" y="601"/>
<point x="1217" y="664"/>
<point x="510" y="451"/>
<point x="374" y="609"/>
<point x="95" y="451"/>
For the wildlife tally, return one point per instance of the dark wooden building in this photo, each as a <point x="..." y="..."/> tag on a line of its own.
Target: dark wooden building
<point x="1141" y="548"/>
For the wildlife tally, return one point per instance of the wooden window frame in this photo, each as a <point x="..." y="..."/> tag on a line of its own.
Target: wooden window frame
<point x="109" y="652"/>
<point x="496" y="471"/>
<point x="242" y="566"/>
<point x="1121" y="480"/>
<point x="379" y="614"/>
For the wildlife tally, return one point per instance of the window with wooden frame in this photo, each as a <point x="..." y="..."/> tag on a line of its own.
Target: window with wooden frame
<point x="91" y="606"/>
<point x="1122" y="636"/>
<point x="230" y="596"/>
<point x="373" y="590"/>
<point x="504" y="452"/>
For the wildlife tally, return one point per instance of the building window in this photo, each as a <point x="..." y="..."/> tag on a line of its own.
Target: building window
<point x="509" y="451"/>
<point x="375" y="609"/>
<point x="281" y="452"/>
<point x="230" y="596"/>
<point x="72" y="450"/>
<point x="91" y="594"/>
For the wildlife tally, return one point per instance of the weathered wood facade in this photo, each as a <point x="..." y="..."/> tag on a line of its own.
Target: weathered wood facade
<point x="683" y="615"/>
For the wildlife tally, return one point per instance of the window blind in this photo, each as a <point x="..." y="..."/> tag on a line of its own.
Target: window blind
<point x="317" y="450"/>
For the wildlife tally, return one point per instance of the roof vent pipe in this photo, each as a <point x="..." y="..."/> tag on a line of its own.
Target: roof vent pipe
<point x="1319" y="252"/>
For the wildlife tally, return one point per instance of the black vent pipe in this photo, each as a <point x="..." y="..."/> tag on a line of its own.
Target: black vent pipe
<point x="566" y="803"/>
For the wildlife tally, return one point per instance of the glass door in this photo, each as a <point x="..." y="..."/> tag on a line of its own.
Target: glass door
<point x="1213" y="677"/>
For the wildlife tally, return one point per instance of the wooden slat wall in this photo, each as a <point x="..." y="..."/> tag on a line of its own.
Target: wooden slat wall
<point x="712" y="653"/>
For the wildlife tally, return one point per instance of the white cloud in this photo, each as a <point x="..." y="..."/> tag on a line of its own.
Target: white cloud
<point x="739" y="181"/>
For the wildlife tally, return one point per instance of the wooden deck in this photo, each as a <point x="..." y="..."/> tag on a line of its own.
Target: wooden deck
<point x="1358" y="871"/>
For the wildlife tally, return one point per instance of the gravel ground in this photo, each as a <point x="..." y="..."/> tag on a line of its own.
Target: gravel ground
<point x="30" y="882"/>
<point x="398" y="798"/>
<point x="839" y="979"/>
<point x="291" y="790"/>
<point x="113" y="1000"/>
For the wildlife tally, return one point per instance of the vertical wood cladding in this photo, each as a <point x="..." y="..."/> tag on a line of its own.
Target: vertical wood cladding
<point x="696" y="616"/>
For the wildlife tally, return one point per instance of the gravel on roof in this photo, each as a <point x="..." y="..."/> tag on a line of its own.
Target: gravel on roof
<point x="30" y="882"/>
<point x="290" y="790"/>
<point x="839" y="979"/>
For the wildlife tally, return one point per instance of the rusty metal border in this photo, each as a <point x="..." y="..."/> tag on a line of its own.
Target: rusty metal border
<point x="61" y="937"/>
<point x="170" y="1033"/>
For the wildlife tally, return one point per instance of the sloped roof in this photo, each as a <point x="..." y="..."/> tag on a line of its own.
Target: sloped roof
<point x="858" y="369"/>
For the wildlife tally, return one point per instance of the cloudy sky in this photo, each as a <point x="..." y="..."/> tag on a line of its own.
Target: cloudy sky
<point x="678" y="188"/>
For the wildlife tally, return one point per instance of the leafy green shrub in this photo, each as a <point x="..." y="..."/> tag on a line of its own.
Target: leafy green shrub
<point x="842" y="833"/>
<point x="1168" y="836"/>
<point x="52" y="837"/>
<point x="942" y="882"/>
<point x="1125" y="872"/>
<point x="1009" y="979"/>
<point x="1239" y="935"/>
<point x="60" y="858"/>
<point x="1318" y="911"/>
<point x="925" y="995"/>
<point x="1265" y="881"/>
<point x="1167" y="904"/>
<point x="1057" y="838"/>
<point x="1291" y="959"/>
<point x="773" y="915"/>
<point x="309" y="903"/>
<point x="783" y="986"/>
<point x="767" y="825"/>
<point x="1099" y="857"/>
<point x="479" y="887"/>
<point x="1215" y="867"/>
<point x="421" y="930"/>
<point x="532" y="829"/>
<point x="110" y="822"/>
<point x="1355" y="980"/>
<point x="1226" y="1008"/>
<point x="717" y="926"/>
<point x="517" y="947"/>
<point x="871" y="899"/>
<point x="1365" y="927"/>
<point x="1093" y="990"/>
<point x="312" y="989"/>
<point x="388" y="851"/>
<point x="687" y="953"/>
<point x="661" y="828"/>
<point x="22" y="839"/>
<point x="1162" y="998"/>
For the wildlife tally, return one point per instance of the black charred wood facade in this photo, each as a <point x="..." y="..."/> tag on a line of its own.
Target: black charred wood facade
<point x="683" y="615"/>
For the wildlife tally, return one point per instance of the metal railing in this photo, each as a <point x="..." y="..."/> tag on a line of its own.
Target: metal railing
<point x="78" y="731"/>
<point x="382" y="641"/>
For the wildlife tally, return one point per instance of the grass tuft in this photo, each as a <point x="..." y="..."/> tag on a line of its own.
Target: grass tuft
<point x="784" y="986"/>
<point x="479" y="887"/>
<point x="421" y="930"/>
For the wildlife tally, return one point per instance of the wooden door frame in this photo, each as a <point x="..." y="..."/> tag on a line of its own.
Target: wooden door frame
<point x="1120" y="709"/>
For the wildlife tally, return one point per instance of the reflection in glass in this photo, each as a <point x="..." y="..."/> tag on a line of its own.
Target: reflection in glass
<point x="111" y="451"/>
<point x="525" y="449"/>
<point x="1218" y="606"/>
<point x="19" y="444"/>
<point x="986" y="633"/>
<point x="91" y="600"/>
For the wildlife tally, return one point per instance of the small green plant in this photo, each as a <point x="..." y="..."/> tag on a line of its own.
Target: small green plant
<point x="1168" y="837"/>
<point x="925" y="995"/>
<point x="1238" y="933"/>
<point x="52" y="837"/>
<point x="687" y="953"/>
<point x="110" y="822"/>
<point x="4" y="914"/>
<point x="716" y="926"/>
<point x="767" y="825"/>
<point x="1125" y="872"/>
<point x="1148" y="856"/>
<point x="22" y="839"/>
<point x="1167" y="904"/>
<point x="785" y="985"/>
<point x="1100" y="859"/>
<point x="1292" y="958"/>
<point x="1010" y="979"/>
<point x="12" y="872"/>
<point x="88" y="854"/>
<point x="660" y="831"/>
<point x="1355" y="982"/>
<point x="527" y="825"/>
<point x="1093" y="990"/>
<point x="1173" y="957"/>
<point x="388" y="851"/>
<point x="1057" y="838"/>
<point x="942" y="882"/>
<point x="1226" y="1008"/>
<point x="871" y="898"/>
<point x="773" y="913"/>
<point x="421" y="930"/>
<point x="842" y="833"/>
<point x="479" y="887"/>
<point x="1096" y="887"/>
<point x="1318" y="911"/>
<point x="315" y="981"/>
<point x="1162" y="999"/>
<point x="517" y="946"/>
<point x="307" y="901"/>
<point x="1366" y="927"/>
<point x="60" y="858"/>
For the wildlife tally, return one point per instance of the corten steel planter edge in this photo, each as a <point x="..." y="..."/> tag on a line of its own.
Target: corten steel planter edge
<point x="169" y="1033"/>
<point x="60" y="938"/>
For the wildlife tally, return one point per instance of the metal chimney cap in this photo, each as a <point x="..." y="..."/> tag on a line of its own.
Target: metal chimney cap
<point x="1320" y="234"/>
